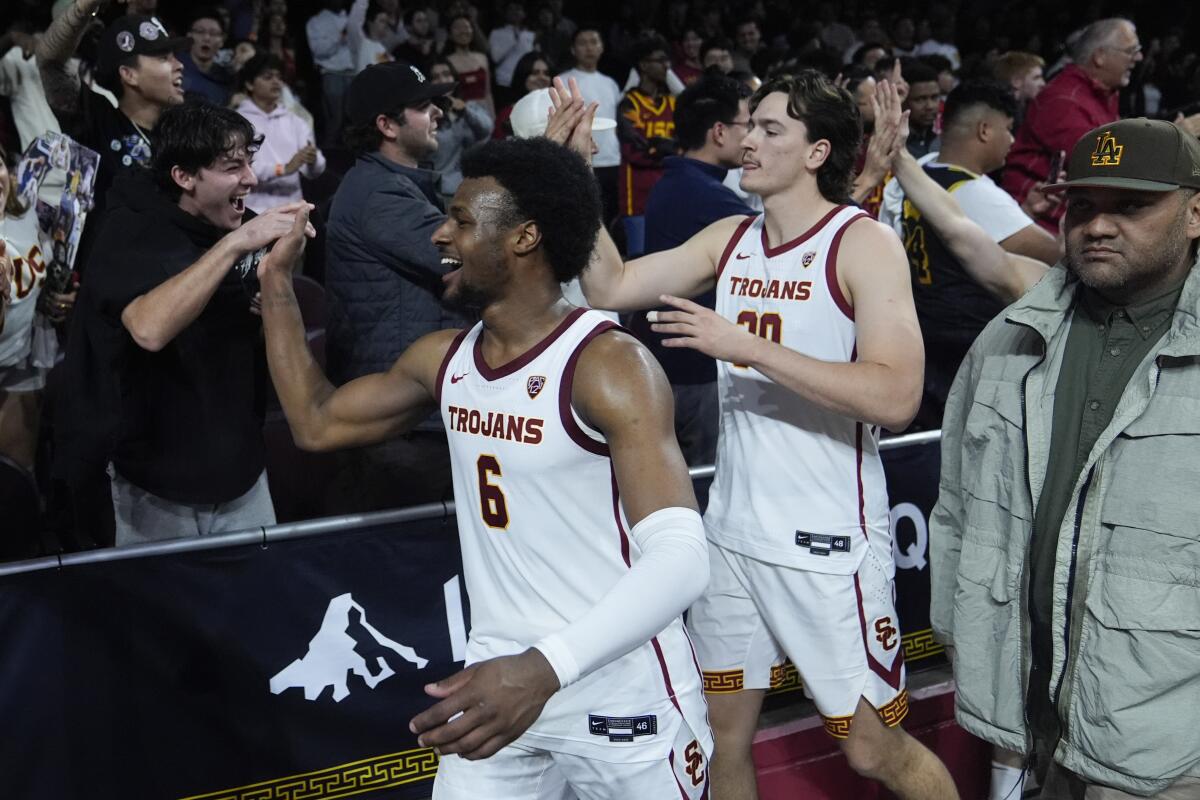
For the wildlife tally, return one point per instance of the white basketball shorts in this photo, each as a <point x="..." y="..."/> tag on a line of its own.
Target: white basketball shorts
<point x="840" y="631"/>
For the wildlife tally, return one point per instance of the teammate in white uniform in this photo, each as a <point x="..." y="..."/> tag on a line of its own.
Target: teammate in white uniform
<point x="818" y="347"/>
<point x="581" y="543"/>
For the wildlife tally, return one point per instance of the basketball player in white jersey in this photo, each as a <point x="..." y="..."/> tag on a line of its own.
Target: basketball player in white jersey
<point x="580" y="538"/>
<point x="817" y="347"/>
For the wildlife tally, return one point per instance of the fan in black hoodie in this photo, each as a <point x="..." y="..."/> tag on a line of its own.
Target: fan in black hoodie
<point x="165" y="370"/>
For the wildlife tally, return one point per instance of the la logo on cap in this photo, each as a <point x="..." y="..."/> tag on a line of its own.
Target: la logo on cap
<point x="1107" y="152"/>
<point x="417" y="72"/>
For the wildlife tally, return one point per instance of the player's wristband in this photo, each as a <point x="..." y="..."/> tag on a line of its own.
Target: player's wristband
<point x="561" y="661"/>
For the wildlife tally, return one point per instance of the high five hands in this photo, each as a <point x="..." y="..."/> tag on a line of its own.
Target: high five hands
<point x="569" y="120"/>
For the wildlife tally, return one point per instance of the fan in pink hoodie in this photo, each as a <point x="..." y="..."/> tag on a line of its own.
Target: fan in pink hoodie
<point x="287" y="151"/>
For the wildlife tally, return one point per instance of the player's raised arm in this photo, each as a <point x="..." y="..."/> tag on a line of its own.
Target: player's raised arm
<point x="685" y="271"/>
<point x="367" y="410"/>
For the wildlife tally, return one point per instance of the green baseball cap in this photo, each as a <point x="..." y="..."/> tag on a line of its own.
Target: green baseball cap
<point x="1149" y="155"/>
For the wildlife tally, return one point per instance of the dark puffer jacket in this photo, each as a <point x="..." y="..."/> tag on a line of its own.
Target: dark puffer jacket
<point x="384" y="275"/>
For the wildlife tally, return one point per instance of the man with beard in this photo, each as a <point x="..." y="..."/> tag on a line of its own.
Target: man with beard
<point x="384" y="276"/>
<point x="1063" y="547"/>
<point x="580" y="537"/>
<point x="165" y="356"/>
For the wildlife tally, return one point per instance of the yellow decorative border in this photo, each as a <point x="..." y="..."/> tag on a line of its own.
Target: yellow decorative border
<point x="892" y="713"/>
<point x="920" y="644"/>
<point x="724" y="682"/>
<point x="344" y="780"/>
<point x="784" y="678"/>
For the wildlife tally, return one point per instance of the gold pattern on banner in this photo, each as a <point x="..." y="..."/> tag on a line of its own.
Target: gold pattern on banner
<point x="344" y="780"/>
<point x="920" y="644"/>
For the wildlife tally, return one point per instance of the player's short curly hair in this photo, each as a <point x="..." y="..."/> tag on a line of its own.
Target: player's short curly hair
<point x="829" y="113"/>
<point x="550" y="185"/>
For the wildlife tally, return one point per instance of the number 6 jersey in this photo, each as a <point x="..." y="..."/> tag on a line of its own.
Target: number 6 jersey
<point x="795" y="484"/>
<point x="544" y="538"/>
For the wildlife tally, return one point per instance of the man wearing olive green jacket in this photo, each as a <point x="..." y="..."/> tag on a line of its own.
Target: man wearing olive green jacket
<point x="1065" y="544"/>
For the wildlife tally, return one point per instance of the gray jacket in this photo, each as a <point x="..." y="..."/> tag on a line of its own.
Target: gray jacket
<point x="473" y="125"/>
<point x="1127" y="582"/>
<point x="383" y="274"/>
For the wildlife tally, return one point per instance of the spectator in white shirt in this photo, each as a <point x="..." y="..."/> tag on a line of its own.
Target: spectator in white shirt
<point x="328" y="40"/>
<point x="587" y="47"/>
<point x="368" y="28"/>
<point x="287" y="151"/>
<point x="976" y="138"/>
<point x="509" y="42"/>
<point x="21" y="83"/>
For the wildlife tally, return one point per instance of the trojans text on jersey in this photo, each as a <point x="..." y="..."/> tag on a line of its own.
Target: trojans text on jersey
<point x="497" y="425"/>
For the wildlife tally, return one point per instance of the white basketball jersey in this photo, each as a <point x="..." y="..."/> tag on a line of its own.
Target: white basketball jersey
<point x="795" y="484"/>
<point x="544" y="538"/>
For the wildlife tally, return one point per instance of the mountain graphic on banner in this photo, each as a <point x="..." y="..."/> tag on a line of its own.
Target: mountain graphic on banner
<point x="342" y="646"/>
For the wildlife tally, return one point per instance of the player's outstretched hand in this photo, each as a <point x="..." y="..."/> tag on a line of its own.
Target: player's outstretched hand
<point x="269" y="226"/>
<point x="891" y="122"/>
<point x="570" y="118"/>
<point x="702" y="329"/>
<point x="288" y="248"/>
<point x="486" y="706"/>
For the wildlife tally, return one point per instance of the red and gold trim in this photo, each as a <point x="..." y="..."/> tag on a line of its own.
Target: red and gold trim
<point x="771" y="252"/>
<point x="724" y="682"/>
<point x="566" y="389"/>
<point x="837" y="727"/>
<point x="831" y="278"/>
<point x="504" y="370"/>
<point x="441" y="375"/>
<point x="784" y="676"/>
<point x="738" y="233"/>
<point x="892" y="713"/>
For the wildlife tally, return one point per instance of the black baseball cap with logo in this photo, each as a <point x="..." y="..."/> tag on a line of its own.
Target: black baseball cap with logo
<point x="1148" y="155"/>
<point x="134" y="35"/>
<point x="386" y="88"/>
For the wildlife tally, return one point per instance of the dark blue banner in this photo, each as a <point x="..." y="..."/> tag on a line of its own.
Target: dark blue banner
<point x="287" y="671"/>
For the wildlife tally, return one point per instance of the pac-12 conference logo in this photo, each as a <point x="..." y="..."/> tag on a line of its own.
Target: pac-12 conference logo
<point x="334" y="654"/>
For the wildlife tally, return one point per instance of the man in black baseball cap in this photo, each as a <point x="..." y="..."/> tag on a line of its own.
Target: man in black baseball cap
<point x="384" y="275"/>
<point x="135" y="60"/>
<point x="1094" y="373"/>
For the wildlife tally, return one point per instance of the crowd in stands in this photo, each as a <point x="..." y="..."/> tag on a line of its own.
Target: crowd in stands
<point x="994" y="99"/>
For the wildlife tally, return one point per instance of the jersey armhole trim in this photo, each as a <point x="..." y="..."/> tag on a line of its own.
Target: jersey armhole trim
<point x="441" y="375"/>
<point x="566" y="411"/>
<point x="831" y="275"/>
<point x="733" y="242"/>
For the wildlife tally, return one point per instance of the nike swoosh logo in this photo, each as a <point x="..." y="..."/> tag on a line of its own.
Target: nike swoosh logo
<point x="457" y="378"/>
<point x="742" y="256"/>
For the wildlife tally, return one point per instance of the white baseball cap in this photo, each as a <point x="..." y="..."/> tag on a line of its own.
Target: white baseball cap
<point x="531" y="111"/>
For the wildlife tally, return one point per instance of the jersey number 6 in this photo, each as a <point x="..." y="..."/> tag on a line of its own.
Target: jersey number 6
<point x="492" y="505"/>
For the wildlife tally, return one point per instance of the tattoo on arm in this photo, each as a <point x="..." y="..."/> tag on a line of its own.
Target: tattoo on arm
<point x="281" y="299"/>
<point x="55" y="48"/>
